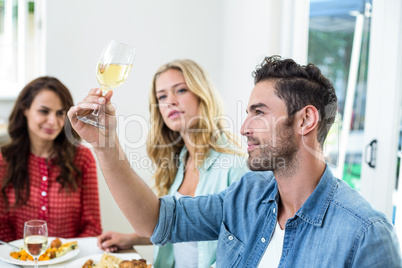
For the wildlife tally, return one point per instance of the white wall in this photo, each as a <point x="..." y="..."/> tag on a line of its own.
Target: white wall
<point x="160" y="30"/>
<point x="251" y="31"/>
<point x="229" y="38"/>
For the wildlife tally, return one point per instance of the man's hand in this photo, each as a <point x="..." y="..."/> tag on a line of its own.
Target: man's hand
<point x="98" y="138"/>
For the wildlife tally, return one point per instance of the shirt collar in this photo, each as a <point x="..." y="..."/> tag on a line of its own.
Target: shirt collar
<point x="314" y="208"/>
<point x="182" y="155"/>
<point x="272" y="186"/>
<point x="211" y="156"/>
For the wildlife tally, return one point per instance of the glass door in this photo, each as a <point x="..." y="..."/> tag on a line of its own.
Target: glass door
<point x="356" y="43"/>
<point x="339" y="33"/>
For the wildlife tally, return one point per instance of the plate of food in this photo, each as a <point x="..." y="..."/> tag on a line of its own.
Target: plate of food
<point x="59" y="250"/>
<point x="111" y="260"/>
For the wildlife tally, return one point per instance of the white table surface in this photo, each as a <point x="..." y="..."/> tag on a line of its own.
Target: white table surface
<point x="87" y="247"/>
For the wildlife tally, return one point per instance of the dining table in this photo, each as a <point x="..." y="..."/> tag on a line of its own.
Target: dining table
<point x="87" y="247"/>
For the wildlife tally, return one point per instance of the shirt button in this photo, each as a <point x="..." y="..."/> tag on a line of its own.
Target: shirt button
<point x="274" y="210"/>
<point x="230" y="237"/>
<point x="44" y="178"/>
<point x="263" y="240"/>
<point x="43" y="193"/>
<point x="43" y="208"/>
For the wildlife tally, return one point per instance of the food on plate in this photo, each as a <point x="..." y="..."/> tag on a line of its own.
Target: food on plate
<point x="66" y="247"/>
<point x="57" y="249"/>
<point x="134" y="264"/>
<point x="21" y="255"/>
<point x="56" y="243"/>
<point x="88" y="264"/>
<point x="110" y="261"/>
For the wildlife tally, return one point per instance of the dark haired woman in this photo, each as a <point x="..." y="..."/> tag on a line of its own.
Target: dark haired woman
<point x="42" y="174"/>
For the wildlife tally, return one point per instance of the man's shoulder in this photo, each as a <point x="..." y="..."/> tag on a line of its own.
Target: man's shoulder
<point x="351" y="217"/>
<point x="350" y="202"/>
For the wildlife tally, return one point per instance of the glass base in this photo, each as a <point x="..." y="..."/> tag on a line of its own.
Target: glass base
<point x="92" y="120"/>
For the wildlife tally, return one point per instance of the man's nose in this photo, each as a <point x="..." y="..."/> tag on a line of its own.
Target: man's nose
<point x="245" y="130"/>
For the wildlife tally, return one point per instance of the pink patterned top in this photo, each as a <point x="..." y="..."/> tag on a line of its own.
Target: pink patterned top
<point x="73" y="214"/>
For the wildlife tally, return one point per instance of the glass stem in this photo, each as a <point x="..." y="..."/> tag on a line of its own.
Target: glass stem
<point x="36" y="262"/>
<point x="96" y="112"/>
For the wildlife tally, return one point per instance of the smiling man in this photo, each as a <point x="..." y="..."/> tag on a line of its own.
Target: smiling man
<point x="290" y="211"/>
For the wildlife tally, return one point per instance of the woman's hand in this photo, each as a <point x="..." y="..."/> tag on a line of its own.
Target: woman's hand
<point x="97" y="137"/>
<point x="113" y="241"/>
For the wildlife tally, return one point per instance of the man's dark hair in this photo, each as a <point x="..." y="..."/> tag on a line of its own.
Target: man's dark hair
<point x="300" y="86"/>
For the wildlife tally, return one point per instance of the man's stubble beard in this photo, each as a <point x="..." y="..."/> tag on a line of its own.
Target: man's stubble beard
<point x="277" y="154"/>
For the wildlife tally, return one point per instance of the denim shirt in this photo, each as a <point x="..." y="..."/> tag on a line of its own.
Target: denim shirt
<point x="335" y="227"/>
<point x="217" y="172"/>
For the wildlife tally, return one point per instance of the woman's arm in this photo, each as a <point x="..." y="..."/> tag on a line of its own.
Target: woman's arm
<point x="136" y="200"/>
<point x="6" y="229"/>
<point x="112" y="241"/>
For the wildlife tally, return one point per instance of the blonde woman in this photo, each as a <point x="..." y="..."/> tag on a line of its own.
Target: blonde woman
<point x="192" y="151"/>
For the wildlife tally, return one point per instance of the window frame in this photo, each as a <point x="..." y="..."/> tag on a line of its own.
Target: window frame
<point x="29" y="64"/>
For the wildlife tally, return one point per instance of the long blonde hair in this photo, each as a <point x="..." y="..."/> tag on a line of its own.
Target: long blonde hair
<point x="164" y="145"/>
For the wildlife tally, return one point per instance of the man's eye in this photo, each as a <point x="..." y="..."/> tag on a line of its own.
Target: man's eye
<point x="258" y="112"/>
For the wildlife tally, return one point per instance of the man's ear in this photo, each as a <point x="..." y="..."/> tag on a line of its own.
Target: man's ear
<point x="308" y="118"/>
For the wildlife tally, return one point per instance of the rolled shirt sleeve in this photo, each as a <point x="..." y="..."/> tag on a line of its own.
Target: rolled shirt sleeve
<point x="189" y="219"/>
<point x="162" y="232"/>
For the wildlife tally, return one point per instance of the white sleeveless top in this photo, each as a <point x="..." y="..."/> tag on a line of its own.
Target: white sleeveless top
<point x="186" y="253"/>
<point x="273" y="253"/>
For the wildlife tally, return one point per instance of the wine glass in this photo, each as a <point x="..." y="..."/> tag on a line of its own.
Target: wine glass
<point x="35" y="238"/>
<point x="112" y="70"/>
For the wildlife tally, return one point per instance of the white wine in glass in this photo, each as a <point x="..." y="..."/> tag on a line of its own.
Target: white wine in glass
<point x="112" y="70"/>
<point x="112" y="76"/>
<point x="35" y="238"/>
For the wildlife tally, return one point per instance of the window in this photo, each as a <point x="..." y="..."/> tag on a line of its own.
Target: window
<point x="339" y="45"/>
<point x="21" y="44"/>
